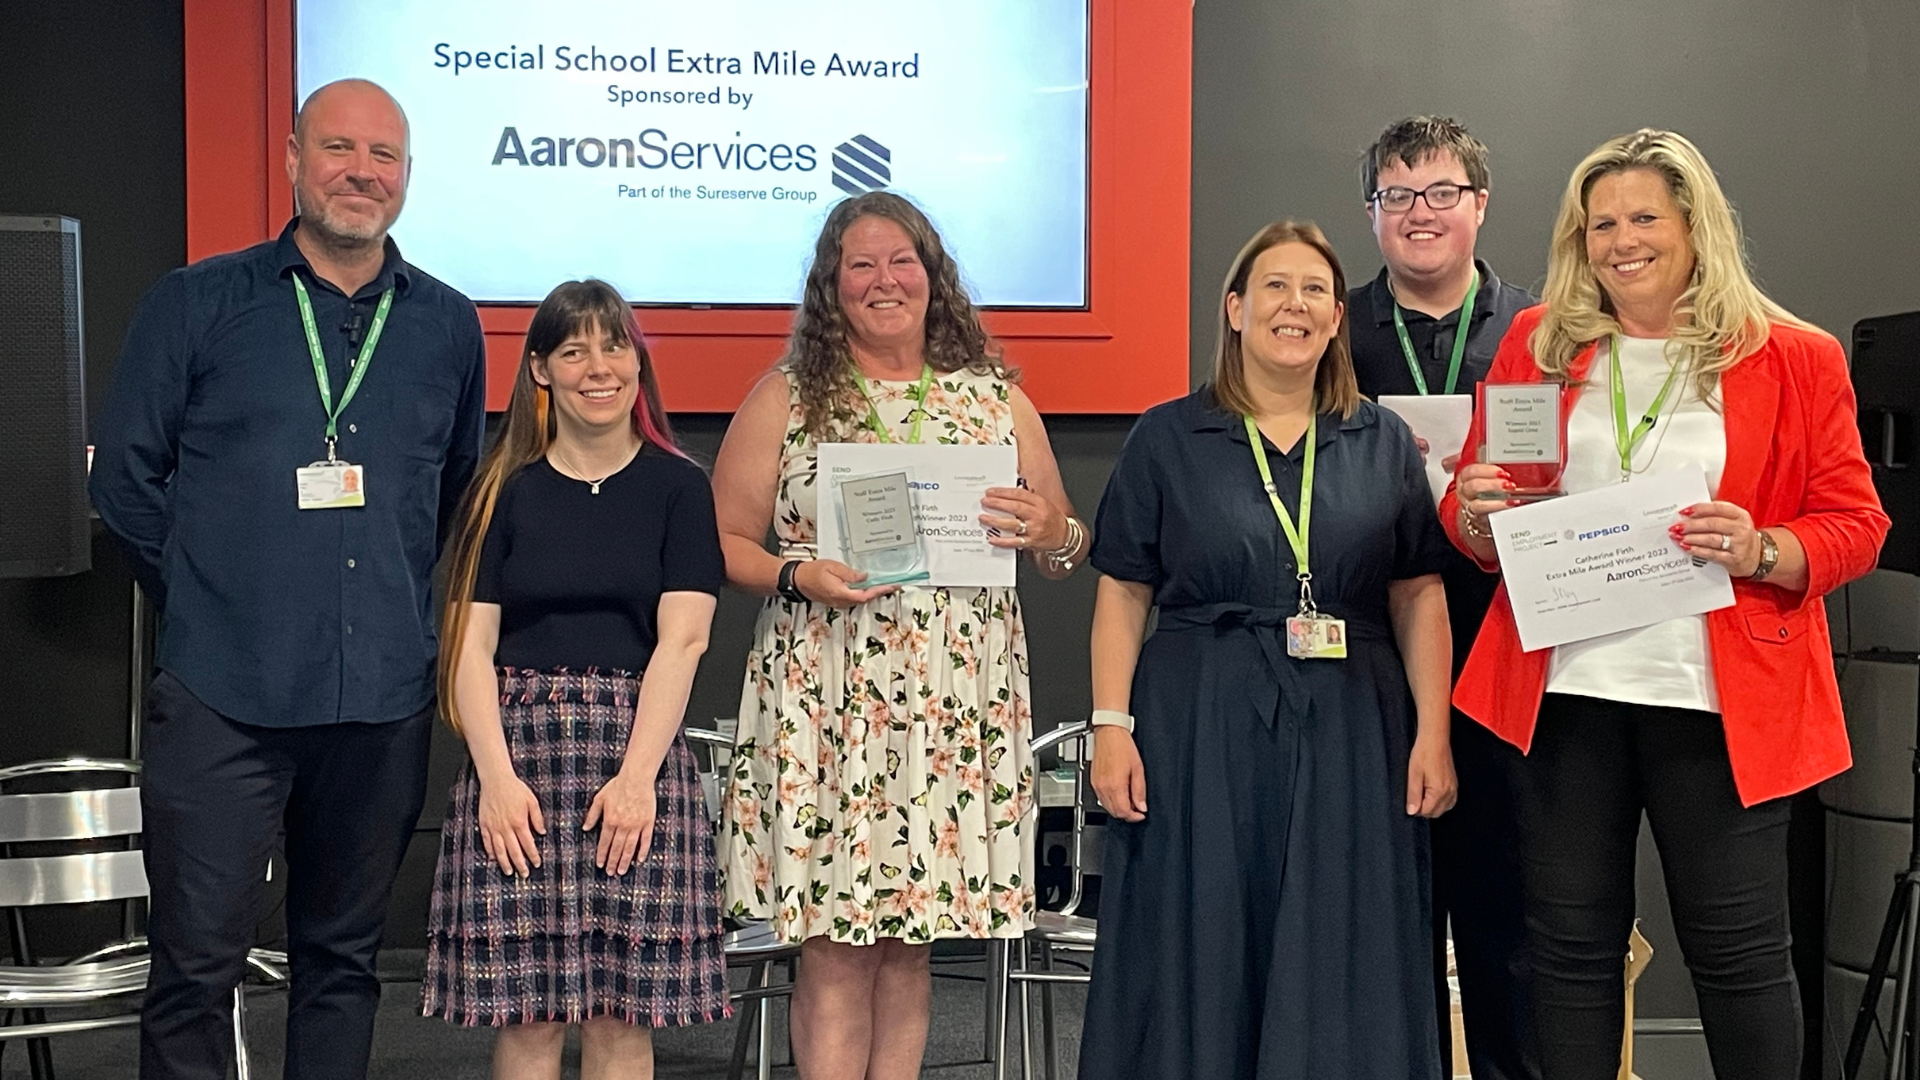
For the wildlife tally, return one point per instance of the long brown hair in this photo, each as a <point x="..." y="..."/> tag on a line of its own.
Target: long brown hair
<point x="571" y="308"/>
<point x="818" y="358"/>
<point x="1335" y="390"/>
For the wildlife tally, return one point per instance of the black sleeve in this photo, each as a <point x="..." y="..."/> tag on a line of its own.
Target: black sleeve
<point x="691" y="559"/>
<point x="1420" y="545"/>
<point x="494" y="550"/>
<point x="469" y="421"/>
<point x="137" y="433"/>
<point x="1126" y="530"/>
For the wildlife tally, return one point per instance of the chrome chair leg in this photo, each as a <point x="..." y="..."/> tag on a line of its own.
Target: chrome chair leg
<point x="999" y="953"/>
<point x="765" y="1052"/>
<point x="1026" y="1017"/>
<point x="1046" y="1013"/>
<point x="242" y="1064"/>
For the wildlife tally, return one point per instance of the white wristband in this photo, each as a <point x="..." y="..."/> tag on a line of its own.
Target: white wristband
<point x="1112" y="718"/>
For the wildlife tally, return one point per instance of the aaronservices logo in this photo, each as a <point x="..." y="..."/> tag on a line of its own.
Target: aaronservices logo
<point x="862" y="164"/>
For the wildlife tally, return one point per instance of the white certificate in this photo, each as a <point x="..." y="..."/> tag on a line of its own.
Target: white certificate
<point x="948" y="484"/>
<point x="1442" y="420"/>
<point x="1600" y="562"/>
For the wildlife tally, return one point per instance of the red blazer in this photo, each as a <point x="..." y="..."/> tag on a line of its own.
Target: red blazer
<point x="1793" y="460"/>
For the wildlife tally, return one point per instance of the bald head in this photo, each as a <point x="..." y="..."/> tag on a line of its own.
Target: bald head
<point x="348" y="162"/>
<point x="363" y="93"/>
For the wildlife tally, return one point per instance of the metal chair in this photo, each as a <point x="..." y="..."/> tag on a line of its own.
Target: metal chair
<point x="1064" y="930"/>
<point x="111" y="974"/>
<point x="754" y="946"/>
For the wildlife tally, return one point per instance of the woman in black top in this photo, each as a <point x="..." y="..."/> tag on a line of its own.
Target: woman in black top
<point x="1266" y="919"/>
<point x="577" y="882"/>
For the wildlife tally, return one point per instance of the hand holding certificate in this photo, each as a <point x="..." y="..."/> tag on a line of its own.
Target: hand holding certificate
<point x="1602" y="561"/>
<point x="910" y="512"/>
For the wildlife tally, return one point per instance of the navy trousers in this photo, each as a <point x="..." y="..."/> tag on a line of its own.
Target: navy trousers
<point x="1477" y="891"/>
<point x="216" y="795"/>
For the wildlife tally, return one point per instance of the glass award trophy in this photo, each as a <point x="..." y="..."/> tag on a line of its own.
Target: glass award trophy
<point x="878" y="528"/>
<point x="1521" y="432"/>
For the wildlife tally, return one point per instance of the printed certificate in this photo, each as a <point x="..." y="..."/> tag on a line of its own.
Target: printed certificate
<point x="1600" y="562"/>
<point x="948" y="483"/>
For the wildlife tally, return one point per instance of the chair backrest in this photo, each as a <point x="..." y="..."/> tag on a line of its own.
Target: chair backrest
<point x="73" y="815"/>
<point x="718" y="746"/>
<point x="1078" y="735"/>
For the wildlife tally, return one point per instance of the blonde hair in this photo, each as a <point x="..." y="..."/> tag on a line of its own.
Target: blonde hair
<point x="1334" y="387"/>
<point x="1721" y="318"/>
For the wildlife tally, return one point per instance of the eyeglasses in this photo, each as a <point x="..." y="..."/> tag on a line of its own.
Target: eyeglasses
<point x="1444" y="195"/>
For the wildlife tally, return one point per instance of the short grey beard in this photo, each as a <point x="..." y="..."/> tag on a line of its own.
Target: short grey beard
<point x="336" y="238"/>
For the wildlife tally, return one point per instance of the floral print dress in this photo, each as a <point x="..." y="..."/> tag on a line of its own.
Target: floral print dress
<point x="882" y="781"/>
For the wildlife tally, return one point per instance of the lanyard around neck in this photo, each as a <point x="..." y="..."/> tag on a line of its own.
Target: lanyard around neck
<point x="919" y="395"/>
<point x="320" y="360"/>
<point x="1624" y="440"/>
<point x="1296" y="538"/>
<point x="1461" y="326"/>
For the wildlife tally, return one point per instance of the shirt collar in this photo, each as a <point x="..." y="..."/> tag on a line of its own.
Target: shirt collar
<point x="1204" y="415"/>
<point x="394" y="272"/>
<point x="1380" y="294"/>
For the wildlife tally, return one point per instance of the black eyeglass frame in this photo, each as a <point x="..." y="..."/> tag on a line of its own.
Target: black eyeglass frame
<point x="1378" y="198"/>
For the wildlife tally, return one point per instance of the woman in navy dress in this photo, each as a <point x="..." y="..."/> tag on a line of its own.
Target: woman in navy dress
<point x="1267" y="917"/>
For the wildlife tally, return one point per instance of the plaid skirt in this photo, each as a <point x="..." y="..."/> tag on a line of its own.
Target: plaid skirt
<point x="570" y="941"/>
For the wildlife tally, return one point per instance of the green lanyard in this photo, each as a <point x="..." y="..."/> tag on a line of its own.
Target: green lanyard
<point x="1461" y="326"/>
<point x="919" y="410"/>
<point x="1624" y="440"/>
<point x="1296" y="538"/>
<point x="320" y="360"/>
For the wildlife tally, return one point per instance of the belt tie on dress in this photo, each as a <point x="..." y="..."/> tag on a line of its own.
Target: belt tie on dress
<point x="1284" y="695"/>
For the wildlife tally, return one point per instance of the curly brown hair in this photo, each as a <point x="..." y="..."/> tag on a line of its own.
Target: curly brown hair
<point x="818" y="357"/>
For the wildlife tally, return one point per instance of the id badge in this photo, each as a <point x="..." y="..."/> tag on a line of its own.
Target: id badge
<point x="331" y="485"/>
<point x="1317" y="637"/>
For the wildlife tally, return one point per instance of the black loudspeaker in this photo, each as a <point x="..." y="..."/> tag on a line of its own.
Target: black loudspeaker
<point x="43" y="407"/>
<point x="1886" y="378"/>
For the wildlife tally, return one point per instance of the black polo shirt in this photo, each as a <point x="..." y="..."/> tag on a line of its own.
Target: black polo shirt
<point x="272" y="615"/>
<point x="1381" y="368"/>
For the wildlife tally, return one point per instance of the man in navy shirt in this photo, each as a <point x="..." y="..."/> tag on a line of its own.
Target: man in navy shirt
<point x="1430" y="324"/>
<point x="289" y="430"/>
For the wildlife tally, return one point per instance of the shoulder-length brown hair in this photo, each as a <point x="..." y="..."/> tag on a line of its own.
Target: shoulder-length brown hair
<point x="1335" y="390"/>
<point x="818" y="358"/>
<point x="571" y="308"/>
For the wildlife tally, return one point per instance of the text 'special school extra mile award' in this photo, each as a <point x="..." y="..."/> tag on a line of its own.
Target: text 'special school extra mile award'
<point x="878" y="527"/>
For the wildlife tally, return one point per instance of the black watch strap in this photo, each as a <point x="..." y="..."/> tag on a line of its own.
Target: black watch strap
<point x="786" y="587"/>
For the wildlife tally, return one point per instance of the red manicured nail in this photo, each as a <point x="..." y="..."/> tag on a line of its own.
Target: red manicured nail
<point x="1513" y="502"/>
<point x="1507" y="484"/>
<point x="1674" y="529"/>
<point x="1686" y="511"/>
<point x="1505" y="475"/>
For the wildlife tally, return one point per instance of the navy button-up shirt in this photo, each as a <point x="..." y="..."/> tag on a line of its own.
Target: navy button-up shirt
<point x="270" y="614"/>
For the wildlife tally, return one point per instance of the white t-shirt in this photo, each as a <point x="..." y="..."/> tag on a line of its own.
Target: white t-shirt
<point x="1669" y="663"/>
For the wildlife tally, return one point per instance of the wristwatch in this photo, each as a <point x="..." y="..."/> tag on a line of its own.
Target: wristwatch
<point x="1769" y="555"/>
<point x="786" y="586"/>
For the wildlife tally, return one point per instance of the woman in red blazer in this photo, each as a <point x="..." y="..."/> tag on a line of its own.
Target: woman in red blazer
<point x="1704" y="722"/>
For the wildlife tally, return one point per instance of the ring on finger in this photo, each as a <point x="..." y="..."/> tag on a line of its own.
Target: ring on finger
<point x="1022" y="531"/>
<point x="1726" y="541"/>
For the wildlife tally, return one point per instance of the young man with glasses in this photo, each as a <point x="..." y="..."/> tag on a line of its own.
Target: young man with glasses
<point x="1425" y="182"/>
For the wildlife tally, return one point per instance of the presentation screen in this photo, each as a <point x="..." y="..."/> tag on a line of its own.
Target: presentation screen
<point x="688" y="152"/>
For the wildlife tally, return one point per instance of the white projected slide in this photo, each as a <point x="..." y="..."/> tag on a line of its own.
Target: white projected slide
<point x="687" y="152"/>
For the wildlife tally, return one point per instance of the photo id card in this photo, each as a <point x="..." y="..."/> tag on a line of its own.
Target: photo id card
<point x="331" y="485"/>
<point x="878" y="528"/>
<point x="1317" y="637"/>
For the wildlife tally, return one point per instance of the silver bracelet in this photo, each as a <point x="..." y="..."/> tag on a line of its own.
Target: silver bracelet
<point x="1062" y="556"/>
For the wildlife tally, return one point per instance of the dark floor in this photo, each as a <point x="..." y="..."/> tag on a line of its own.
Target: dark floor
<point x="410" y="1047"/>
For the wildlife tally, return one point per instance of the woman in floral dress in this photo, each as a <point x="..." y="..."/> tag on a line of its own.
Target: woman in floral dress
<point x="882" y="782"/>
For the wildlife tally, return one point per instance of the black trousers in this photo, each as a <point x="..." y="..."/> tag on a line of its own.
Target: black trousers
<point x="1476" y="891"/>
<point x="1594" y="768"/>
<point x="216" y="795"/>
